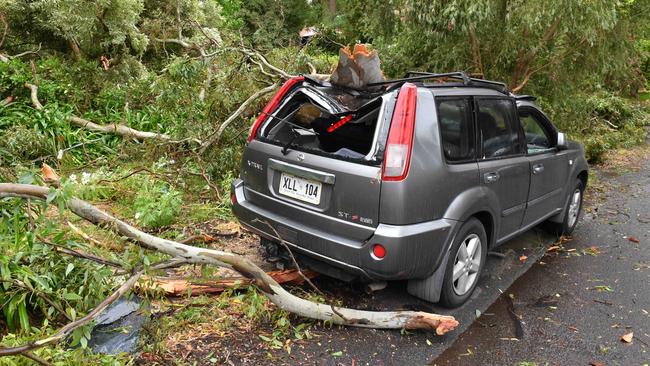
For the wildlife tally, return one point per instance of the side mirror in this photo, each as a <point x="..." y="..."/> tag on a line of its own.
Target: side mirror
<point x="562" y="143"/>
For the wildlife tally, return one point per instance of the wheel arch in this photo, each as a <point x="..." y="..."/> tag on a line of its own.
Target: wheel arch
<point x="584" y="177"/>
<point x="486" y="219"/>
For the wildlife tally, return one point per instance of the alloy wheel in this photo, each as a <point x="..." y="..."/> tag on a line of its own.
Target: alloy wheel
<point x="467" y="264"/>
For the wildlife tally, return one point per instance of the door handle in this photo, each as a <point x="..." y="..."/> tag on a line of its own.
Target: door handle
<point x="491" y="177"/>
<point x="538" y="168"/>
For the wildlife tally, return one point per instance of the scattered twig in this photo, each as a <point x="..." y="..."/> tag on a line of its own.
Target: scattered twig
<point x="83" y="234"/>
<point x="293" y="259"/>
<point x="205" y="176"/>
<point x="36" y="359"/>
<point x="81" y="254"/>
<point x="603" y="302"/>
<point x="133" y="172"/>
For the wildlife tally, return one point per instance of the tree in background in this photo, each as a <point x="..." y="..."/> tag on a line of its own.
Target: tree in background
<point x="551" y="41"/>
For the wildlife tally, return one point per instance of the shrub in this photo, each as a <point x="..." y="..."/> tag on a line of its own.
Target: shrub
<point x="157" y="204"/>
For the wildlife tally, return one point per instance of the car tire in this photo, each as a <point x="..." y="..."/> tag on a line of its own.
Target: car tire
<point x="572" y="211"/>
<point x="466" y="261"/>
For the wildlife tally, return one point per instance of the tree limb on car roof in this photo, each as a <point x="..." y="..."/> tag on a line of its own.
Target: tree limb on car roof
<point x="264" y="283"/>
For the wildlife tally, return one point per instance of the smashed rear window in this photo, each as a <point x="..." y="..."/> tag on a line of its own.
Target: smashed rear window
<point x="325" y="121"/>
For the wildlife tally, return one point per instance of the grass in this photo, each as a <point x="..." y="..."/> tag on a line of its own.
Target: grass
<point x="644" y="96"/>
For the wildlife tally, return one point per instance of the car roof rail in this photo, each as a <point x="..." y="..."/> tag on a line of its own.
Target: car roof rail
<point x="415" y="76"/>
<point x="525" y="97"/>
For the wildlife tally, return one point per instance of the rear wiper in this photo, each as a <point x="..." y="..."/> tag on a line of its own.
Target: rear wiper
<point x="294" y="136"/>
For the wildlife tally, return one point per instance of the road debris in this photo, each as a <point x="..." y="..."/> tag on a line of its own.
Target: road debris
<point x="627" y="338"/>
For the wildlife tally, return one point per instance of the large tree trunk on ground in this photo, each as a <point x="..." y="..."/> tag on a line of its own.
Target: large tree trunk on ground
<point x="265" y="283"/>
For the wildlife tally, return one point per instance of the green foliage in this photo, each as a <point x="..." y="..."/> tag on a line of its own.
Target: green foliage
<point x="39" y="285"/>
<point x="156" y="204"/>
<point x="58" y="355"/>
<point x="601" y="121"/>
<point x="586" y="74"/>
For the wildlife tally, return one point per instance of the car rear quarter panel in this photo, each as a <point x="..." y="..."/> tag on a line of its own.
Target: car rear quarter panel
<point x="431" y="184"/>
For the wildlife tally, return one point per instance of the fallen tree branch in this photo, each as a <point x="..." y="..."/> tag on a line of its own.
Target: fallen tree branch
<point x="180" y="287"/>
<point x="6" y="58"/>
<point x="215" y="136"/>
<point x="33" y="89"/>
<point x="67" y="329"/>
<point x="293" y="259"/>
<point x="205" y="176"/>
<point x="83" y="234"/>
<point x="82" y="255"/>
<point x="117" y="129"/>
<point x="36" y="359"/>
<point x="264" y="283"/>
<point x="251" y="53"/>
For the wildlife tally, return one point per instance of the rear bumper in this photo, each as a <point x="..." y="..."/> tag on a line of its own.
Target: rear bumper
<point x="412" y="251"/>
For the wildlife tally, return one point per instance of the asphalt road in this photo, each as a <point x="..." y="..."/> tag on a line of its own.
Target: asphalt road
<point x="568" y="306"/>
<point x="574" y="305"/>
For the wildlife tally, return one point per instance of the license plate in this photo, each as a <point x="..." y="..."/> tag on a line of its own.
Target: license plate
<point x="301" y="189"/>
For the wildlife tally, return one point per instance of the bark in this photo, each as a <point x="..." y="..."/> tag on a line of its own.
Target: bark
<point x="265" y="283"/>
<point x="5" y="27"/>
<point x="523" y="72"/>
<point x="117" y="129"/>
<point x="357" y="67"/>
<point x="6" y="58"/>
<point x="476" y="53"/>
<point x="180" y="287"/>
<point x="331" y="7"/>
<point x="76" y="51"/>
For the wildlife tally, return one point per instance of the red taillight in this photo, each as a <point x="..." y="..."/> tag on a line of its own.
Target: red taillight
<point x="339" y="123"/>
<point x="272" y="105"/>
<point x="233" y="198"/>
<point x="378" y="251"/>
<point x="400" y="136"/>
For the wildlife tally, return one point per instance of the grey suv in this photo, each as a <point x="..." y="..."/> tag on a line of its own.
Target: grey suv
<point x="414" y="180"/>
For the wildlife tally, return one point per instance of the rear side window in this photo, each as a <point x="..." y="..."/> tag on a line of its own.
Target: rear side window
<point x="456" y="128"/>
<point x="498" y="132"/>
